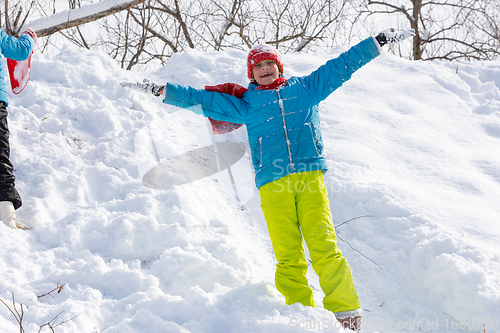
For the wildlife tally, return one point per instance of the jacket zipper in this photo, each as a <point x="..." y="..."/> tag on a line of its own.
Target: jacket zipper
<point x="286" y="131"/>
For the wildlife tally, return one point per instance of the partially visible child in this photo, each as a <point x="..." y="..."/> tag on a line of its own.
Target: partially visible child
<point x="10" y="200"/>
<point x="282" y="120"/>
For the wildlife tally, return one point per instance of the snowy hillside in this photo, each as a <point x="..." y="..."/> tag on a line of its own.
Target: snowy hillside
<point x="413" y="150"/>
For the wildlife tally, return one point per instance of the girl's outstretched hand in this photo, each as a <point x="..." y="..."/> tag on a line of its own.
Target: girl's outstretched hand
<point x="391" y="36"/>
<point x="146" y="86"/>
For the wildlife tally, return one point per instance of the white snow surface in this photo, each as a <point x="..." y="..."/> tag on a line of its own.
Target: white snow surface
<point x="412" y="147"/>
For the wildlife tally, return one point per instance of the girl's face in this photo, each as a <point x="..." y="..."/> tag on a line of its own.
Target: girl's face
<point x="266" y="72"/>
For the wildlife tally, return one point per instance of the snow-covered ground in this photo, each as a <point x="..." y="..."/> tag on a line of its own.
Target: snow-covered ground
<point x="413" y="150"/>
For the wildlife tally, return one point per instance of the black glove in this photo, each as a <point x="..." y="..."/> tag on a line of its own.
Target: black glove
<point x="391" y="37"/>
<point x="147" y="87"/>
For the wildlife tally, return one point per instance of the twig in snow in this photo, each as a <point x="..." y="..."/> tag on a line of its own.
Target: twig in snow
<point x="359" y="217"/>
<point x="19" y="317"/>
<point x="358" y="251"/>
<point x="59" y="288"/>
<point x="49" y="324"/>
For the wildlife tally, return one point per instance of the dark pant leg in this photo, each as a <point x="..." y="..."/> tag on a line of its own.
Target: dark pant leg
<point x="8" y="191"/>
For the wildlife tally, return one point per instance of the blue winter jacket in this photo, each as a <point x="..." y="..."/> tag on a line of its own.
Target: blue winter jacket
<point x="15" y="49"/>
<point x="283" y="125"/>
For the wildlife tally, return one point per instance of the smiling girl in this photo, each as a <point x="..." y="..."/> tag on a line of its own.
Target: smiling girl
<point x="282" y="120"/>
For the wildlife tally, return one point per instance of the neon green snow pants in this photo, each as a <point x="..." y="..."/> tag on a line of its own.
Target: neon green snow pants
<point x="297" y="205"/>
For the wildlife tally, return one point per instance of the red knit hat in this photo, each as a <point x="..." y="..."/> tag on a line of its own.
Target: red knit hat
<point x="262" y="52"/>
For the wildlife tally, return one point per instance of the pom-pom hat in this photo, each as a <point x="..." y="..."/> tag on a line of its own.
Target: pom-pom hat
<point x="262" y="52"/>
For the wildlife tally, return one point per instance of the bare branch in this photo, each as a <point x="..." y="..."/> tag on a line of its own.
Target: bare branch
<point x="59" y="288"/>
<point x="49" y="324"/>
<point x="176" y="13"/>
<point x="19" y="318"/>
<point x="154" y="33"/>
<point x="449" y="29"/>
<point x="86" y="19"/>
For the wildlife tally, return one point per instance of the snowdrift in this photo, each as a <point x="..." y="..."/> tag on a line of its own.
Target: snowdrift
<point x="413" y="151"/>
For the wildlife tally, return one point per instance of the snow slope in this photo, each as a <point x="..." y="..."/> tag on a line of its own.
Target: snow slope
<point x="412" y="149"/>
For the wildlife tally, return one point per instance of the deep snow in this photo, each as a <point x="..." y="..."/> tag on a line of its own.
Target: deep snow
<point x="413" y="145"/>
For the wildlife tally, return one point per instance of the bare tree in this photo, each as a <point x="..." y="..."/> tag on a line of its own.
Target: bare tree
<point x="153" y="31"/>
<point x="69" y="24"/>
<point x="446" y="29"/>
<point x="148" y="32"/>
<point x="290" y="25"/>
<point x="157" y="29"/>
<point x="226" y="19"/>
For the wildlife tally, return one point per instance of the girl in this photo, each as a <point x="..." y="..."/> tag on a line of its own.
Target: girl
<point x="282" y="120"/>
